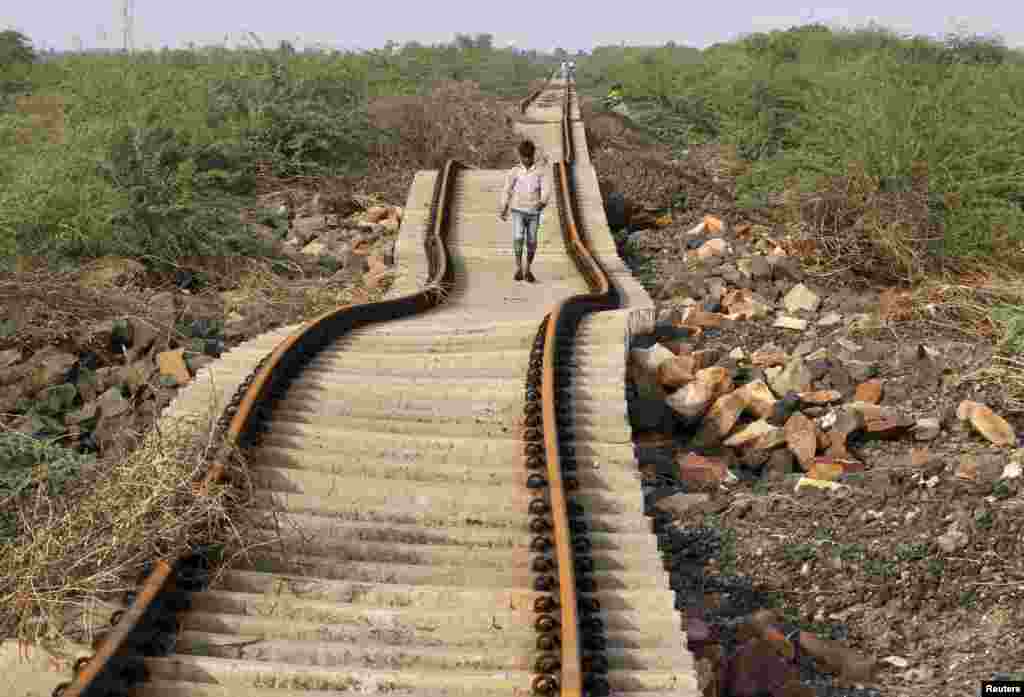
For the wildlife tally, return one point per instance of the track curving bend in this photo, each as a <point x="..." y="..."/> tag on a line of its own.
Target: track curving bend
<point x="416" y="556"/>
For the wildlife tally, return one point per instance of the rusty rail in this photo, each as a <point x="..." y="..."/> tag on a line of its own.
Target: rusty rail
<point x="280" y="364"/>
<point x="601" y="297"/>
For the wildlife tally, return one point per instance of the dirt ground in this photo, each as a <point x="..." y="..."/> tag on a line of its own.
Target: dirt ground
<point x="915" y="565"/>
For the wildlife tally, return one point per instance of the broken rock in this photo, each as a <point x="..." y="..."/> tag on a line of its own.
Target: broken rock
<point x="700" y="470"/>
<point x="172" y="364"/>
<point x="801" y="439"/>
<point x="986" y="422"/>
<point x="714" y="247"/>
<point x="800" y="297"/>
<point x="758" y="398"/>
<point x="794" y="378"/>
<point x="722" y="417"/>
<point x="678" y="505"/>
<point x="830" y="319"/>
<point x="870" y="392"/>
<point x="676" y="371"/>
<point x="785" y="322"/>
<point x="643" y="364"/>
<point x="760" y="434"/>
<point x="820" y="397"/>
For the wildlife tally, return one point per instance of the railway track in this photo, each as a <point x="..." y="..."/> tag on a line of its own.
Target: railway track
<point x="450" y="471"/>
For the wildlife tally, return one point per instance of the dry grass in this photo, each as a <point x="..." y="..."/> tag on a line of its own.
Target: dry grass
<point x="46" y="304"/>
<point x="855" y="225"/>
<point x="454" y="121"/>
<point x="46" y="119"/>
<point x="74" y="551"/>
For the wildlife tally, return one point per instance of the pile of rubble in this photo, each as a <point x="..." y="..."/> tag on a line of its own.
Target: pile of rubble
<point x="358" y="245"/>
<point x="834" y="457"/>
<point x="773" y="411"/>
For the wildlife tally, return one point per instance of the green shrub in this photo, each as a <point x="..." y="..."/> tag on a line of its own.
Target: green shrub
<point x="26" y="461"/>
<point x="805" y="105"/>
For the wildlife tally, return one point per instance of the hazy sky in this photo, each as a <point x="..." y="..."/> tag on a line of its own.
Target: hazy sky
<point x="541" y="24"/>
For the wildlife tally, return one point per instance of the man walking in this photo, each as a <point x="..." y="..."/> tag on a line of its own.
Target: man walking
<point x="526" y="193"/>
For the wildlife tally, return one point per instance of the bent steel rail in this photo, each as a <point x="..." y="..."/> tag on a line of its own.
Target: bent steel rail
<point x="603" y="296"/>
<point x="242" y="413"/>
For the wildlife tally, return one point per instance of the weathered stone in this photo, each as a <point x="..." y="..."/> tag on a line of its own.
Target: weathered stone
<point x="715" y="247"/>
<point x="824" y="468"/>
<point x="804" y="348"/>
<point x="375" y="214"/>
<point x="870" y="392"/>
<point x="718" y="378"/>
<point x="801" y="298"/>
<point x="699" y="470"/>
<point x="679" y="505"/>
<point x="820" y="397"/>
<point x="314" y="248"/>
<point x="794" y="377"/>
<point x="676" y="371"/>
<point x="759" y="434"/>
<point x="785" y="322"/>
<point x="172" y="364"/>
<point x="758" y="398"/>
<point x="801" y="439"/>
<point x="692" y="400"/>
<point x="743" y="304"/>
<point x="830" y="319"/>
<point x="695" y="317"/>
<point x="986" y="422"/>
<point x="722" y="418"/>
<point x="847" y="422"/>
<point x="765" y="359"/>
<point x="811" y="483"/>
<point x="889" y="424"/>
<point x="643" y="367"/>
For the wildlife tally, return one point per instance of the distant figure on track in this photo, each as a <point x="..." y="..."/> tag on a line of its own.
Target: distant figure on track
<point x="526" y="192"/>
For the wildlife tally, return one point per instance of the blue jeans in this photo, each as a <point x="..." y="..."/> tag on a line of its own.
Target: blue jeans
<point x="524" y="229"/>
